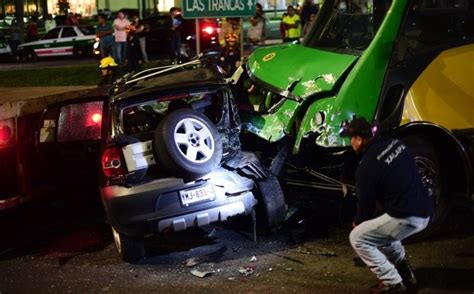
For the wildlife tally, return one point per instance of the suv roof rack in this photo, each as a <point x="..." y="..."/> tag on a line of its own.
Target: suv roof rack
<point x="160" y="70"/>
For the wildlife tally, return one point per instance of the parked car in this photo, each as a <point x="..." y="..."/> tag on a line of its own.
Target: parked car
<point x="166" y="153"/>
<point x="405" y="66"/>
<point x="61" y="41"/>
<point x="5" y="50"/>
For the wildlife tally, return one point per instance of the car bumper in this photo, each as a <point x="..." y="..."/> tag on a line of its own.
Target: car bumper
<point x="156" y="206"/>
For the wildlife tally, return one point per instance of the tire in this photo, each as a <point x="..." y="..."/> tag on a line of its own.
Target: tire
<point x="30" y="55"/>
<point x="130" y="250"/>
<point x="187" y="144"/>
<point x="271" y="202"/>
<point x="79" y="51"/>
<point x="427" y="161"/>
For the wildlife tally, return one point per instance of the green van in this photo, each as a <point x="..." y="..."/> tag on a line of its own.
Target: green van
<point x="406" y="65"/>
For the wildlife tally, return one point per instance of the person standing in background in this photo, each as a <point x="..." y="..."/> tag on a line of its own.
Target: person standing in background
<point x="291" y="24"/>
<point x="230" y="25"/>
<point x="175" y="32"/>
<point x="309" y="8"/>
<point x="104" y="32"/>
<point x="260" y="15"/>
<point x="140" y="33"/>
<point x="255" y="31"/>
<point x="134" y="55"/>
<point x="15" y="37"/>
<point x="230" y="56"/>
<point x="307" y="26"/>
<point x="49" y="23"/>
<point x="72" y="20"/>
<point x="31" y="30"/>
<point x="121" y="26"/>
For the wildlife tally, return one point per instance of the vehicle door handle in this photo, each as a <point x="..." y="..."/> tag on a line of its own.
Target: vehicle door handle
<point x="74" y="39"/>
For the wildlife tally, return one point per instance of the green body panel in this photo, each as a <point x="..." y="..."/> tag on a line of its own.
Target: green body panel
<point x="359" y="92"/>
<point x="309" y="124"/>
<point x="272" y="127"/>
<point x="314" y="70"/>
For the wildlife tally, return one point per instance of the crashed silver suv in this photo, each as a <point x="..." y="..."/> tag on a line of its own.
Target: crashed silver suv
<point x="171" y="160"/>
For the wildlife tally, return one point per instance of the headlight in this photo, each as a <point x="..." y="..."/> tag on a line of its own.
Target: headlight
<point x="96" y="45"/>
<point x="319" y="118"/>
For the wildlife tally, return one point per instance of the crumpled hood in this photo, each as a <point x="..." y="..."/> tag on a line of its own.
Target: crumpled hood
<point x="306" y="70"/>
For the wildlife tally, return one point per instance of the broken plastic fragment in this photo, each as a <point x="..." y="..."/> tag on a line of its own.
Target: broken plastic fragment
<point x="247" y="270"/>
<point x="200" y="274"/>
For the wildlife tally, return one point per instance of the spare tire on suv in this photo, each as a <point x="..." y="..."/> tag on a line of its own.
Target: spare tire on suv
<point x="187" y="144"/>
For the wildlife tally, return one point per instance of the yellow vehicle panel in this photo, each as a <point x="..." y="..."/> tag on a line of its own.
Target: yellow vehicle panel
<point x="444" y="92"/>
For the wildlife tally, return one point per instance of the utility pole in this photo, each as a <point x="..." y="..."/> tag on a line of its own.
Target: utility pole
<point x="19" y="13"/>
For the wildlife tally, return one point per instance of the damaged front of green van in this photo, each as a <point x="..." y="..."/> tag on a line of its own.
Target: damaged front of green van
<point x="336" y="73"/>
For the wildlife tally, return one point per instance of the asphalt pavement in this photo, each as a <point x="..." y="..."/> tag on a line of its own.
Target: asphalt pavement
<point x="66" y="246"/>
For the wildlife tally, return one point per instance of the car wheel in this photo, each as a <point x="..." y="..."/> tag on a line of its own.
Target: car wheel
<point x="30" y="55"/>
<point x="271" y="202"/>
<point x="187" y="143"/>
<point x="78" y="51"/>
<point x="129" y="249"/>
<point x="427" y="162"/>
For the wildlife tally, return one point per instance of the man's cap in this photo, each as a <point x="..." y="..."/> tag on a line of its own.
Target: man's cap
<point x="358" y="126"/>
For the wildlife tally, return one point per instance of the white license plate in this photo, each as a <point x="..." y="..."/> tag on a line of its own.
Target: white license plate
<point x="197" y="195"/>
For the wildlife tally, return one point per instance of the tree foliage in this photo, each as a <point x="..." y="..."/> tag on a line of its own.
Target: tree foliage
<point x="63" y="6"/>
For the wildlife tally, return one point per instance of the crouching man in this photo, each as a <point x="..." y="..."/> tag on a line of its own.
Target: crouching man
<point x="386" y="174"/>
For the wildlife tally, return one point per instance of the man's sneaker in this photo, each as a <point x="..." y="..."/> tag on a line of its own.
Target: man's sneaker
<point x="405" y="271"/>
<point x="381" y="287"/>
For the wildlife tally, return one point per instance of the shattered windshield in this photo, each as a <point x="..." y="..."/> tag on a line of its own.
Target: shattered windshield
<point x="347" y="26"/>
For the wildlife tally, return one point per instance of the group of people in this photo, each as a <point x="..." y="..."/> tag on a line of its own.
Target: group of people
<point x="294" y="24"/>
<point x="124" y="40"/>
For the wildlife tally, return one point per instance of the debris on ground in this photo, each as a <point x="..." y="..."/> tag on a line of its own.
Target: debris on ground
<point x="247" y="270"/>
<point x="320" y="251"/>
<point x="231" y="278"/>
<point x="289" y="269"/>
<point x="286" y="257"/>
<point x="253" y="259"/>
<point x="200" y="274"/>
<point x="212" y="233"/>
<point x="235" y="249"/>
<point x="210" y="257"/>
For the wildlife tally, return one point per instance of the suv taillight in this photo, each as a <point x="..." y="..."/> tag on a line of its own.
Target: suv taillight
<point x="112" y="163"/>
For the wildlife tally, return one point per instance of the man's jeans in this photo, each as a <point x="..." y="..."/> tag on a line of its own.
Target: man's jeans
<point x="142" y="41"/>
<point x="121" y="52"/>
<point x="377" y="242"/>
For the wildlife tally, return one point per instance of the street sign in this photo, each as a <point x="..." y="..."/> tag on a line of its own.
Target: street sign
<point x="218" y="8"/>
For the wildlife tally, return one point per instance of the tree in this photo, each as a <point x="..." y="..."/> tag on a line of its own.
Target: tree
<point x="63" y="6"/>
